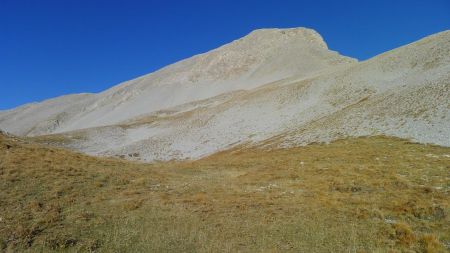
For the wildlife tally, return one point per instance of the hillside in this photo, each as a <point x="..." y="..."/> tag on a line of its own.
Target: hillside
<point x="272" y="88"/>
<point x="404" y="93"/>
<point x="271" y="143"/>
<point x="259" y="58"/>
<point x="374" y="194"/>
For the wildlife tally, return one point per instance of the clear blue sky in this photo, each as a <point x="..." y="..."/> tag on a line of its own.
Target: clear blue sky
<point x="50" y="48"/>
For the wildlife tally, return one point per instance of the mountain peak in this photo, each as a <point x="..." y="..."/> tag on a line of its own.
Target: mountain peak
<point x="297" y="33"/>
<point x="261" y="57"/>
<point x="273" y="87"/>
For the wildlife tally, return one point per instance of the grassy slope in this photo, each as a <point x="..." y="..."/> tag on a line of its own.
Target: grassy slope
<point x="373" y="194"/>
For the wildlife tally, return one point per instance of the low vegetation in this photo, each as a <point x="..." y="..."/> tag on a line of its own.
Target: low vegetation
<point x="374" y="194"/>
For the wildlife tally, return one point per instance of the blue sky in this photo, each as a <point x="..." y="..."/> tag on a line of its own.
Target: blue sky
<point x="51" y="48"/>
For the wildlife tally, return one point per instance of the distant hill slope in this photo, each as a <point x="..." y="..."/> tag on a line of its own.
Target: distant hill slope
<point x="261" y="57"/>
<point x="404" y="92"/>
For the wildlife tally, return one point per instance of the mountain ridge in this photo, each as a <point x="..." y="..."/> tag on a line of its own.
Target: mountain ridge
<point x="403" y="92"/>
<point x="241" y="64"/>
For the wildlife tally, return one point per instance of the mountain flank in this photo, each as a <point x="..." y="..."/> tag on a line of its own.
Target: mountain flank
<point x="272" y="88"/>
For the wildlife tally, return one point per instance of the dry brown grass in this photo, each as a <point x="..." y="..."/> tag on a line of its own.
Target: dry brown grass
<point x="375" y="194"/>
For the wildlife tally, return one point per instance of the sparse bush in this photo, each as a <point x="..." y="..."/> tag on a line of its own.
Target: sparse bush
<point x="430" y="244"/>
<point x="404" y="234"/>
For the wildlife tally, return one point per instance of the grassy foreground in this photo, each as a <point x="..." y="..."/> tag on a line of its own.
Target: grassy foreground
<point x="374" y="194"/>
